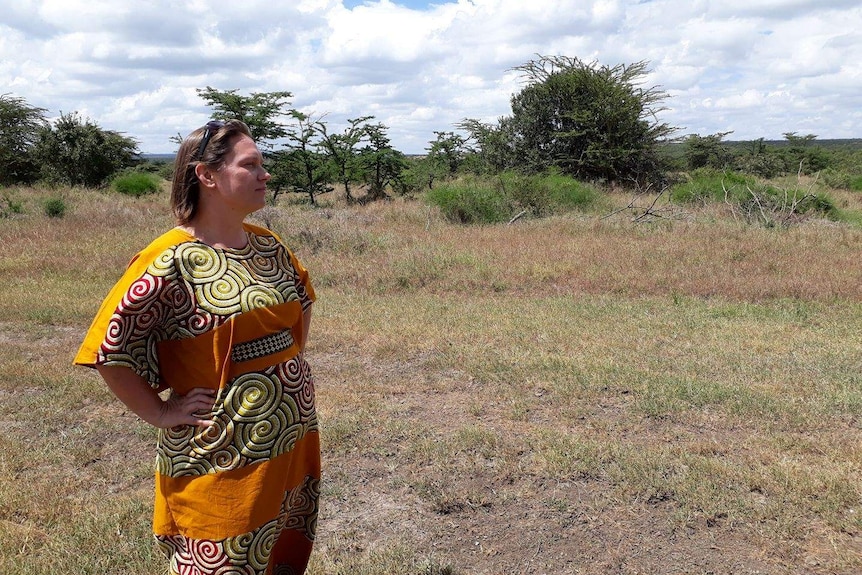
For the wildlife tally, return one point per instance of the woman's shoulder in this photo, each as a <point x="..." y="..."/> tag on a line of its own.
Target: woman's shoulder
<point x="260" y="231"/>
<point x="160" y="249"/>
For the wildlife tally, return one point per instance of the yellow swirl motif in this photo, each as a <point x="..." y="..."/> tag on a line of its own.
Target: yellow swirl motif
<point x="163" y="265"/>
<point x="198" y="263"/>
<point x="258" y="296"/>
<point x="222" y="294"/>
<point x="252" y="397"/>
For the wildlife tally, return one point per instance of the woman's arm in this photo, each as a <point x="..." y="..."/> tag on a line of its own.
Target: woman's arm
<point x="306" y="325"/>
<point x="134" y="391"/>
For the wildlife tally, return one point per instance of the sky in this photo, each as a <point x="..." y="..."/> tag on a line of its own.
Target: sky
<point x="755" y="68"/>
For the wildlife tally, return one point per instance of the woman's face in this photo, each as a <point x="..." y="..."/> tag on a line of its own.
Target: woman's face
<point x="240" y="183"/>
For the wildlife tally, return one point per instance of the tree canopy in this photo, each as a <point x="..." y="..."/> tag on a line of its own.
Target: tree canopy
<point x="591" y="121"/>
<point x="20" y="124"/>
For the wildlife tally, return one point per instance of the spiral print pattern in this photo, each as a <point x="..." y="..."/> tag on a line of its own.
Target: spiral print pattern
<point x="252" y="397"/>
<point x="257" y="420"/>
<point x="198" y="263"/>
<point x="207" y="555"/>
<point x="249" y="553"/>
<point x="303" y="507"/>
<point x="188" y="290"/>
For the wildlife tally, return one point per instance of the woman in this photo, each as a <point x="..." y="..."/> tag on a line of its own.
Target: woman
<point x="217" y="311"/>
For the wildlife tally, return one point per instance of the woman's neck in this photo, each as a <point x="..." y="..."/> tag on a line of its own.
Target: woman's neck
<point x="217" y="234"/>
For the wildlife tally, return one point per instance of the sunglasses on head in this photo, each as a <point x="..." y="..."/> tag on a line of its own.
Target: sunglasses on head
<point x="211" y="128"/>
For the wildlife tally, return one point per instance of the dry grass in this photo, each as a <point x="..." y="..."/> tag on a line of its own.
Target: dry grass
<point x="573" y="395"/>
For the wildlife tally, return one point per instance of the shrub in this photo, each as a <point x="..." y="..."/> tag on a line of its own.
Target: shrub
<point x="835" y="178"/>
<point x="470" y="201"/>
<point x="10" y="206"/>
<point x="498" y="199"/>
<point x="55" y="207"/>
<point x="166" y="170"/>
<point x="712" y="185"/>
<point x="136" y="184"/>
<point x="764" y="165"/>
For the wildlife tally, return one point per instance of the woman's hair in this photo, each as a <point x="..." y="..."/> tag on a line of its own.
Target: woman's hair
<point x="207" y="145"/>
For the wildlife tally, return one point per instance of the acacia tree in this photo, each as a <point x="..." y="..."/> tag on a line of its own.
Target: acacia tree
<point x="381" y="163"/>
<point x="306" y="170"/>
<point x="447" y="152"/>
<point x="342" y="151"/>
<point x="590" y="121"/>
<point x="20" y="125"/>
<point x="260" y="111"/>
<point x="492" y="146"/>
<point x="77" y="152"/>
<point x="707" y="151"/>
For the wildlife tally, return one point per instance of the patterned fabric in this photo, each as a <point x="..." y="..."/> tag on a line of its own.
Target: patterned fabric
<point x="240" y="496"/>
<point x="263" y="346"/>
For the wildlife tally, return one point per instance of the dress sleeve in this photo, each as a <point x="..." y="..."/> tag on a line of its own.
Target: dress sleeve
<point x="301" y="279"/>
<point x="130" y="322"/>
<point x="302" y="282"/>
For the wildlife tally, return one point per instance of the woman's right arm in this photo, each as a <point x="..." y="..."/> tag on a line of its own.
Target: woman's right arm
<point x="137" y="394"/>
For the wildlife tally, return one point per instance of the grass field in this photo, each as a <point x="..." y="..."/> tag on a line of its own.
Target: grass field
<point x="571" y="395"/>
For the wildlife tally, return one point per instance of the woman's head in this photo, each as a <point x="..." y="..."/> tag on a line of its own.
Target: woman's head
<point x="207" y="145"/>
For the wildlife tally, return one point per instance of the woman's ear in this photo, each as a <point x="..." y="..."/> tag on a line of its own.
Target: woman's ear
<point x="204" y="174"/>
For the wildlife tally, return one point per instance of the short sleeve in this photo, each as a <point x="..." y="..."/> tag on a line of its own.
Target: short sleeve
<point x="133" y="317"/>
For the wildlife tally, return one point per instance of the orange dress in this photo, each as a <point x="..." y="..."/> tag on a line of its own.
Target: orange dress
<point x="240" y="496"/>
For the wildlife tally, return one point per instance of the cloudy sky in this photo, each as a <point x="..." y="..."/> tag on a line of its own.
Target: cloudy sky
<point x="758" y="68"/>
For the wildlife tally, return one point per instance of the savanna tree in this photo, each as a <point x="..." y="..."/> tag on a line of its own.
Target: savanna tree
<point x="261" y="112"/>
<point x="20" y="125"/>
<point x="77" y="152"/>
<point x="590" y="121"/>
<point x="304" y="167"/>
<point x="382" y="165"/>
<point x="707" y="151"/>
<point x="492" y="146"/>
<point x="343" y="153"/>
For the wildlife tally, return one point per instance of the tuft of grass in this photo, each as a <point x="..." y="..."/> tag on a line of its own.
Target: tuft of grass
<point x="55" y="207"/>
<point x="10" y="205"/>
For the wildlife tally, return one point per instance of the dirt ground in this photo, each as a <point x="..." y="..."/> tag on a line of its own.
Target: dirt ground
<point x="494" y="523"/>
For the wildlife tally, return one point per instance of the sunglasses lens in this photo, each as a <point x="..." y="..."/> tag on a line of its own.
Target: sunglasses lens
<point x="211" y="128"/>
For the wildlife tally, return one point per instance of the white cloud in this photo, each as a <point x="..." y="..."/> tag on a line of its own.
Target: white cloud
<point x="756" y="67"/>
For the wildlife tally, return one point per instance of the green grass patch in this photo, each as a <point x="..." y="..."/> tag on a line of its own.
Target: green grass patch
<point x="136" y="184"/>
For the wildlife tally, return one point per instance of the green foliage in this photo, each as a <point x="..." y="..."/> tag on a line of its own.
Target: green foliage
<point x="590" y="121"/>
<point x="419" y="175"/>
<point x="55" y="207"/>
<point x="166" y="170"/>
<point x="707" y="152"/>
<point x="491" y="147"/>
<point x="764" y="164"/>
<point x="707" y="184"/>
<point x="489" y="200"/>
<point x="259" y="110"/>
<point x="470" y="201"/>
<point x="546" y="194"/>
<point x="10" y="206"/>
<point x="342" y="151"/>
<point x="802" y="156"/>
<point x="753" y="201"/>
<point x="78" y="152"/>
<point x="447" y="153"/>
<point x="381" y="164"/>
<point x="136" y="184"/>
<point x="300" y="167"/>
<point x="19" y="131"/>
<point x="837" y="179"/>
